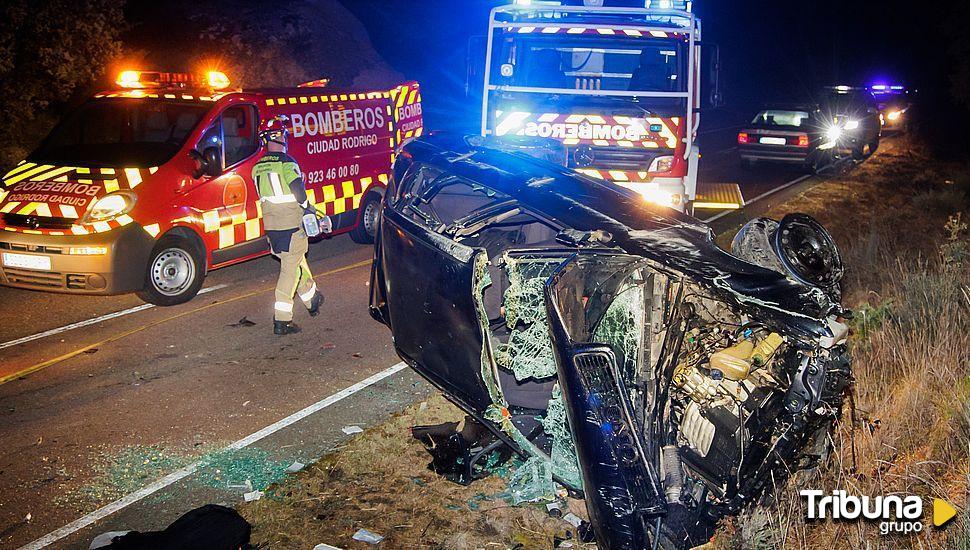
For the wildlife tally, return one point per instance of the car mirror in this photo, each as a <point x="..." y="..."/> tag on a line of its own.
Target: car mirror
<point x="212" y="162"/>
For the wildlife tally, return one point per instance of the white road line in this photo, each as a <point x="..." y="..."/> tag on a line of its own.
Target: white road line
<point x="94" y="321"/>
<point x="759" y="197"/>
<point x="185" y="472"/>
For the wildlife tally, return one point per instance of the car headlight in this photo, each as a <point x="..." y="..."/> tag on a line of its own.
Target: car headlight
<point x="852" y="125"/>
<point x="833" y="133"/>
<point x="110" y="206"/>
<point x="661" y="164"/>
<point x="893" y="116"/>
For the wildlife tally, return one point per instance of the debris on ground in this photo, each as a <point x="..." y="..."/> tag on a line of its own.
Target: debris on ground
<point x="351" y="430"/>
<point x="369" y="537"/>
<point x="254" y="495"/>
<point x="244" y="322"/>
<point x="381" y="480"/>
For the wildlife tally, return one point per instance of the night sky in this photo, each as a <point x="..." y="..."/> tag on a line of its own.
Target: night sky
<point x="770" y="50"/>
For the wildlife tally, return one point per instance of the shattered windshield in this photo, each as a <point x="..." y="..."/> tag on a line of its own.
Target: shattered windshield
<point x="121" y="132"/>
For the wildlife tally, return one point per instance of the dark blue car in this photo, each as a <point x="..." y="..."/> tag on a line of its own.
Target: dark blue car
<point x="609" y="338"/>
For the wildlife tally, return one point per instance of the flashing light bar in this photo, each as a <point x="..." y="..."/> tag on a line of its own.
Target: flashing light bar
<point x="131" y="79"/>
<point x="680" y="5"/>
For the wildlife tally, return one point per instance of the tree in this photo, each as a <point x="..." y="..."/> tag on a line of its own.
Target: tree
<point x="48" y="50"/>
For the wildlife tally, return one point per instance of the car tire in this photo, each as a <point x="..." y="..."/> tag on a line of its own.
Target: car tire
<point x="370" y="217"/>
<point x="873" y="147"/>
<point x="175" y="272"/>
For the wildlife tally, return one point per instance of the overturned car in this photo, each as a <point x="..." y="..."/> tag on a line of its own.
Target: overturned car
<point x="669" y="382"/>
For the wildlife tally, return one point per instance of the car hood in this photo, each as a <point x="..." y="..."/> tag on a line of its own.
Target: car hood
<point x="49" y="191"/>
<point x="664" y="235"/>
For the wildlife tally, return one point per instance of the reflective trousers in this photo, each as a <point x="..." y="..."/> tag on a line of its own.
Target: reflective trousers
<point x="295" y="277"/>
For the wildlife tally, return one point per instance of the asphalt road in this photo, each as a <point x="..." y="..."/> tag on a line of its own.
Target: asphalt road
<point x="189" y="380"/>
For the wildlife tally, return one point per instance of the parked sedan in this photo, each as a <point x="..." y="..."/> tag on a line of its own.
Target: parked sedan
<point x="784" y="133"/>
<point x="608" y="338"/>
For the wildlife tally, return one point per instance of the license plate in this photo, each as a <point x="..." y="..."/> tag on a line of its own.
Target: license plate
<point x="772" y="141"/>
<point x="27" y="261"/>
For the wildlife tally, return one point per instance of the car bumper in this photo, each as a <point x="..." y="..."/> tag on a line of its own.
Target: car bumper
<point x="793" y="155"/>
<point x="119" y="270"/>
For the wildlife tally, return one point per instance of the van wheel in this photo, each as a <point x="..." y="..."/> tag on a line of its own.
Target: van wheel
<point x="370" y="217"/>
<point x="176" y="270"/>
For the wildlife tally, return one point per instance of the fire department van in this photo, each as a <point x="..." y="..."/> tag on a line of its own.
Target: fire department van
<point x="147" y="187"/>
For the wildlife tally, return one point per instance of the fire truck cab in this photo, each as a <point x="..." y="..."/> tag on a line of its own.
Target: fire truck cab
<point x="147" y="187"/>
<point x="618" y="86"/>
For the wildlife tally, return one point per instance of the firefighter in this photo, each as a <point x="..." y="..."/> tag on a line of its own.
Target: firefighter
<point x="284" y="202"/>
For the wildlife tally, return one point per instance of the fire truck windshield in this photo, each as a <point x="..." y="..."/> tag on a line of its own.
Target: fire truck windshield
<point x="585" y="62"/>
<point x="115" y="132"/>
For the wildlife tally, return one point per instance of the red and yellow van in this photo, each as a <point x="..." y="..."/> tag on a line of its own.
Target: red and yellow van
<point x="147" y="187"/>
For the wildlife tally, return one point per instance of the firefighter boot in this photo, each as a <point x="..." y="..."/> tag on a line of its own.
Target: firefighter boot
<point x="283" y="328"/>
<point x="315" y="304"/>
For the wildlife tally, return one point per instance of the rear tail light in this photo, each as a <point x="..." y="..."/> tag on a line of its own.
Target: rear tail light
<point x="742" y="138"/>
<point x="803" y="141"/>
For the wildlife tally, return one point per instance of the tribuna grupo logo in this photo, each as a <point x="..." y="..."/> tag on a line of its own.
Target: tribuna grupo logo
<point x="895" y="513"/>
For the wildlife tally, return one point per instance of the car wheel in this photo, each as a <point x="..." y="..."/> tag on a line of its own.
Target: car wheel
<point x="873" y="147"/>
<point x="370" y="217"/>
<point x="175" y="273"/>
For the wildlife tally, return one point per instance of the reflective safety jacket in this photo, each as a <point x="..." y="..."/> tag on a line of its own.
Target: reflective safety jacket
<point x="282" y="192"/>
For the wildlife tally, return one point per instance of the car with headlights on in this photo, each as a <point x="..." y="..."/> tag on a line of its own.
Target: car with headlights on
<point x="849" y="121"/>
<point x="608" y="340"/>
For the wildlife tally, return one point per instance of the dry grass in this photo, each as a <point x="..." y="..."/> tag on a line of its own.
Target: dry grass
<point x="911" y="435"/>
<point x="379" y="481"/>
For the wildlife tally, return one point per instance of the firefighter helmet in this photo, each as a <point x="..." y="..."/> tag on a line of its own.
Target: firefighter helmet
<point x="276" y="130"/>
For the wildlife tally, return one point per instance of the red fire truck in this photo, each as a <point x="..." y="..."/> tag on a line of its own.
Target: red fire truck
<point x="147" y="187"/>
<point x="618" y="82"/>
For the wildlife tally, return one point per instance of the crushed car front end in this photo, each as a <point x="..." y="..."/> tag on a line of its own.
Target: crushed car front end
<point x="667" y="380"/>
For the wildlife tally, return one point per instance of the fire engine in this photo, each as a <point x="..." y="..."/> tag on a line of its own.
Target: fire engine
<point x="146" y="187"/>
<point x="618" y="83"/>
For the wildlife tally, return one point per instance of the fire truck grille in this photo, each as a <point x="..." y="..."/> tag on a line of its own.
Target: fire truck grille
<point x="37" y="222"/>
<point x="616" y="158"/>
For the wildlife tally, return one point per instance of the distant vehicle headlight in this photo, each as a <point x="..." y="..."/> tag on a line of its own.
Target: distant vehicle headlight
<point x="833" y="133"/>
<point x="893" y="116"/>
<point x="110" y="206"/>
<point x="852" y="125"/>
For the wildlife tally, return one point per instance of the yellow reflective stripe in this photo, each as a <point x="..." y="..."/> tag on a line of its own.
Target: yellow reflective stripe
<point x="68" y="211"/>
<point x="18" y="169"/>
<point x="28" y="208"/>
<point x="78" y="230"/>
<point x="52" y="173"/>
<point x="111" y="186"/>
<point x="210" y="221"/>
<point x="329" y="194"/>
<point x="227" y="236"/>
<point x="152" y="229"/>
<point x="348" y="188"/>
<point x="124" y="219"/>
<point x="9" y="207"/>
<point x="252" y="229"/>
<point x="24" y="175"/>
<point x="102" y="227"/>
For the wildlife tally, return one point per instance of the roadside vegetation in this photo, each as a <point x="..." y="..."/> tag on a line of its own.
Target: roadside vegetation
<point x="901" y="221"/>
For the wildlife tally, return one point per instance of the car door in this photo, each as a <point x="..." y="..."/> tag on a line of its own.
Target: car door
<point x="228" y="202"/>
<point x="428" y="281"/>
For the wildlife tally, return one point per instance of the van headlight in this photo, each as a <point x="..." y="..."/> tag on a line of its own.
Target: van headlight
<point x="110" y="207"/>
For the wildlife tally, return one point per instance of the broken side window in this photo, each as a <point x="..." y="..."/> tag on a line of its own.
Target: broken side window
<point x="438" y="199"/>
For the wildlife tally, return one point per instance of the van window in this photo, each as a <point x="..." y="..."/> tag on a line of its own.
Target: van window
<point x="120" y="132"/>
<point x="233" y="133"/>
